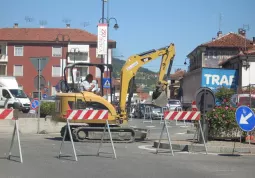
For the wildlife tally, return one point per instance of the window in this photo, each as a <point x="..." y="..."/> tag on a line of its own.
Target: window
<point x="56" y="71"/>
<point x="18" y="70"/>
<point x="6" y="94"/>
<point x="53" y="91"/>
<point x="18" y="50"/>
<point x="79" y="56"/>
<point x="2" y="69"/>
<point x="82" y="71"/>
<point x="56" y="51"/>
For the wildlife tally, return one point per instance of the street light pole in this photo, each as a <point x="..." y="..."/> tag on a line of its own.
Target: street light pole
<point x="116" y="26"/>
<point x="102" y="59"/>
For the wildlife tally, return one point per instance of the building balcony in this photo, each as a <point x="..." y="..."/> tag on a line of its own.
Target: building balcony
<point x="79" y="57"/>
<point x="3" y="58"/>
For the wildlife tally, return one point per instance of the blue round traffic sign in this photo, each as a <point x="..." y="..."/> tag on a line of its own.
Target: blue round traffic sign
<point x="34" y="103"/>
<point x="245" y="118"/>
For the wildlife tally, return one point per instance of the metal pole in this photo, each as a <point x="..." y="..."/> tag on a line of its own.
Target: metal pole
<point x="63" y="45"/>
<point x="39" y="94"/>
<point x="102" y="59"/>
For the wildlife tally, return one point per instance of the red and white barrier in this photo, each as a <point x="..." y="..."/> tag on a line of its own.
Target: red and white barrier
<point x="86" y="115"/>
<point x="182" y="115"/>
<point x="6" y="114"/>
<point x="194" y="106"/>
<point x="12" y="114"/>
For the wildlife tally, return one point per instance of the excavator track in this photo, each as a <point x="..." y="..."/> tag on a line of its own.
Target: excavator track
<point x="94" y="134"/>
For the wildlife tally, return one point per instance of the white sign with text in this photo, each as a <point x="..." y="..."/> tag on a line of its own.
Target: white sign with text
<point x="102" y="39"/>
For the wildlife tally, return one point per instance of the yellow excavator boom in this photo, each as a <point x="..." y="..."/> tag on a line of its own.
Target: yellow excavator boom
<point x="135" y="62"/>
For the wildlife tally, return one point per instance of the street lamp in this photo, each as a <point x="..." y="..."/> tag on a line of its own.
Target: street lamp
<point x="61" y="38"/>
<point x="116" y="26"/>
<point x="185" y="63"/>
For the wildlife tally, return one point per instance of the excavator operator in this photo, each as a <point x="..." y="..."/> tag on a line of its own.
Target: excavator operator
<point x="89" y="85"/>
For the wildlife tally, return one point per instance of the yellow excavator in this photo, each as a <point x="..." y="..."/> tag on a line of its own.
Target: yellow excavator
<point x="71" y="97"/>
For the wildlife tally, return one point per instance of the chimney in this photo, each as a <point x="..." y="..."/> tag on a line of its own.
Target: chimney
<point x="68" y="25"/>
<point x="213" y="39"/>
<point x="219" y="34"/>
<point x="16" y="25"/>
<point x="241" y="31"/>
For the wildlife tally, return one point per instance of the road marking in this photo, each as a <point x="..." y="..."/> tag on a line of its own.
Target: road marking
<point x="180" y="133"/>
<point x="150" y="126"/>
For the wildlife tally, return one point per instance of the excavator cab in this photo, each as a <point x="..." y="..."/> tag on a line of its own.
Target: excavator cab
<point x="74" y="86"/>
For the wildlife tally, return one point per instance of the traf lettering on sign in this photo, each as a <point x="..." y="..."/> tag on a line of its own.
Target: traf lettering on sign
<point x="219" y="80"/>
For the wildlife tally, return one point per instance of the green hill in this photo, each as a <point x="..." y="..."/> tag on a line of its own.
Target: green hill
<point x="144" y="76"/>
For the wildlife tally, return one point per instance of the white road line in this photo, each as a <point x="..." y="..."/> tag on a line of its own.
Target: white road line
<point x="145" y="147"/>
<point x="181" y="133"/>
<point x="150" y="126"/>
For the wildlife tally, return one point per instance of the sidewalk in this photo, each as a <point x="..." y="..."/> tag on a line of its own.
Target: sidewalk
<point x="223" y="147"/>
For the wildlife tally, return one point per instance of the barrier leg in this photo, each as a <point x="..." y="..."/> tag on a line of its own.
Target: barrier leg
<point x="109" y="131"/>
<point x="13" y="136"/>
<point x="169" y="140"/>
<point x="193" y="141"/>
<point x="63" y="141"/>
<point x="17" y="130"/>
<point x="161" y="134"/>
<point x="71" y="138"/>
<point x="102" y="138"/>
<point x="202" y="133"/>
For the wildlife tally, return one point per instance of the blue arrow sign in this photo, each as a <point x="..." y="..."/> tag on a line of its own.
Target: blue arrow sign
<point x="106" y="82"/>
<point x="34" y="104"/>
<point x="245" y="118"/>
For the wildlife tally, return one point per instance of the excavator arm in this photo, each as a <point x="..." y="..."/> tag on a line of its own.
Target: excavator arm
<point x="134" y="63"/>
<point x="159" y="96"/>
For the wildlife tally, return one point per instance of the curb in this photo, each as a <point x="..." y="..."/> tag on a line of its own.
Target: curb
<point x="200" y="148"/>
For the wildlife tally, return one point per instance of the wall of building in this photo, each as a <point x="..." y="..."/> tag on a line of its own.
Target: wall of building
<point x="29" y="70"/>
<point x="190" y="84"/>
<point x="213" y="57"/>
<point x="45" y="50"/>
<point x="248" y="75"/>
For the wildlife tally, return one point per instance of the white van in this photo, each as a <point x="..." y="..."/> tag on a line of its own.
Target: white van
<point x="10" y="93"/>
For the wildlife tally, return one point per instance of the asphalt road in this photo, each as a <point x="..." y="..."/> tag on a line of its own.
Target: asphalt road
<point x="40" y="161"/>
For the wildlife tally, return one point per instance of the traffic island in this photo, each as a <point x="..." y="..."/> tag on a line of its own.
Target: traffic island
<point x="220" y="147"/>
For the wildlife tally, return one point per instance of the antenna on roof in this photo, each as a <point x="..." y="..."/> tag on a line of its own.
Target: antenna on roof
<point x="85" y="24"/>
<point x="28" y="19"/>
<point x="66" y="21"/>
<point x="220" y="21"/>
<point x="246" y="27"/>
<point x="42" y="23"/>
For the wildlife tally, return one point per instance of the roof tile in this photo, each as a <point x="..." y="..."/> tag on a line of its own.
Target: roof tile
<point x="229" y="40"/>
<point x="45" y="34"/>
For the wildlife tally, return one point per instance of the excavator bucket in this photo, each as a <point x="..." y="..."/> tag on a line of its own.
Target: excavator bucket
<point x="159" y="99"/>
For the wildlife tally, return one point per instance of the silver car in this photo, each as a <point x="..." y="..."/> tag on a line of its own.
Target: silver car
<point x="156" y="113"/>
<point x="174" y="105"/>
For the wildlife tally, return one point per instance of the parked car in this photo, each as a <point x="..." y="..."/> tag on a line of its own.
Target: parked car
<point x="155" y="111"/>
<point x="174" y="104"/>
<point x="242" y="99"/>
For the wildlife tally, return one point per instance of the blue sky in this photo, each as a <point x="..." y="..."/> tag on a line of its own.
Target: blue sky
<point x="144" y="24"/>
